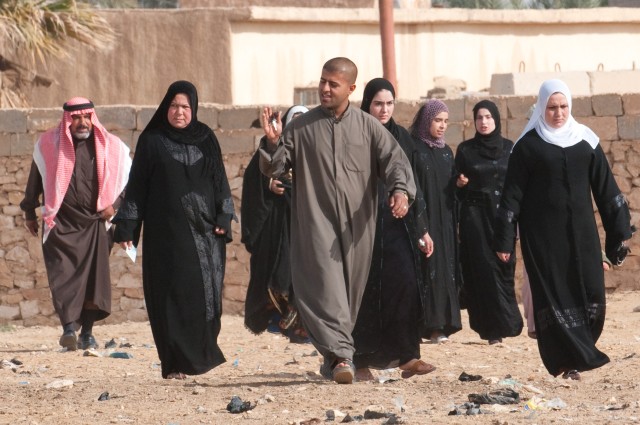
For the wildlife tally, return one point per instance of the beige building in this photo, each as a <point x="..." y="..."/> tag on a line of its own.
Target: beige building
<point x="256" y="55"/>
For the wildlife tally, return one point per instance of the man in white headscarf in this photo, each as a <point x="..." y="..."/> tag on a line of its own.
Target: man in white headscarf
<point x="81" y="171"/>
<point x="555" y="167"/>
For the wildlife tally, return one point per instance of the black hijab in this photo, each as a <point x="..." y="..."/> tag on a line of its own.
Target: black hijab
<point x="195" y="132"/>
<point x="489" y="145"/>
<point x="372" y="88"/>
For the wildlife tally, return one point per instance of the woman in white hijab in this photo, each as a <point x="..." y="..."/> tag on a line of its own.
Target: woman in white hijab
<point x="555" y="167"/>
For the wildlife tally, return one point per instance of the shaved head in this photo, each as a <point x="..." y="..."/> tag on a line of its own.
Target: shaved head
<point x="343" y="66"/>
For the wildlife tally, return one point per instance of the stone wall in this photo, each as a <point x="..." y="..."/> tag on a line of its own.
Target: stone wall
<point x="24" y="294"/>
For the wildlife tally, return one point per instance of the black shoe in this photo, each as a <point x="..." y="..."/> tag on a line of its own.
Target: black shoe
<point x="68" y="340"/>
<point x="87" y="341"/>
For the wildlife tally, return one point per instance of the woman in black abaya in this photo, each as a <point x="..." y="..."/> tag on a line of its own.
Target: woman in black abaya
<point x="435" y="173"/>
<point x="555" y="168"/>
<point x="179" y="190"/>
<point x="387" y="331"/>
<point x="488" y="291"/>
<point x="266" y="218"/>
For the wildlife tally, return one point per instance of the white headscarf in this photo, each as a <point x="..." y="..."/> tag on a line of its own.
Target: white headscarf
<point x="571" y="132"/>
<point x="296" y="109"/>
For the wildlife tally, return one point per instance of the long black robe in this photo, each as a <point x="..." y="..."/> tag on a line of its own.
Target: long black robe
<point x="387" y="331"/>
<point x="548" y="193"/>
<point x="489" y="289"/>
<point x="173" y="190"/>
<point x="76" y="253"/>
<point x="435" y="173"/>
<point x="265" y="218"/>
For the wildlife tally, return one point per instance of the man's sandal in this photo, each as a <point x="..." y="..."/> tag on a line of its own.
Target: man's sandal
<point x="343" y="372"/>
<point x="340" y="371"/>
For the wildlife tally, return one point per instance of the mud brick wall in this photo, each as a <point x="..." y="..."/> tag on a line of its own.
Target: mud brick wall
<point x="24" y="294"/>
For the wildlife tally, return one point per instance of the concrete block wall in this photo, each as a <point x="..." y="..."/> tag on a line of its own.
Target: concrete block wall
<point x="24" y="294"/>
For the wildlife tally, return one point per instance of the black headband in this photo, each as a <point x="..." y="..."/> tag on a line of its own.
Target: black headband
<point x="71" y="108"/>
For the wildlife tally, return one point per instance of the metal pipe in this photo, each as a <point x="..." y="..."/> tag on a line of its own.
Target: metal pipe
<point x="387" y="42"/>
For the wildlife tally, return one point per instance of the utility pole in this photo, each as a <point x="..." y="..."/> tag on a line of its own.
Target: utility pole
<point x="388" y="42"/>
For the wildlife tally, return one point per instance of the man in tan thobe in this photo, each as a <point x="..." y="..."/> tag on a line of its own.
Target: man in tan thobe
<point x="337" y="153"/>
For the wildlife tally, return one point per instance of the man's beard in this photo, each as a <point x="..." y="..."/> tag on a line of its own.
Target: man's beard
<point x="83" y="134"/>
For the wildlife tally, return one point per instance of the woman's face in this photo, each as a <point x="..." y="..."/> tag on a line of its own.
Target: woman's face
<point x="557" y="111"/>
<point x="439" y="125"/>
<point x="485" y="123"/>
<point x="179" y="114"/>
<point x="382" y="106"/>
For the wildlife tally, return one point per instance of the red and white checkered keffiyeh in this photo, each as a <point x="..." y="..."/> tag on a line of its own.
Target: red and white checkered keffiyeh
<point x="55" y="156"/>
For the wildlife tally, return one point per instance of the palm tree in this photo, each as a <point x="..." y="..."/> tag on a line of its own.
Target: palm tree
<point x="31" y="31"/>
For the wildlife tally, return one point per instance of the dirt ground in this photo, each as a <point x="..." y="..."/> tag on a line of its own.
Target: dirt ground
<point x="282" y="380"/>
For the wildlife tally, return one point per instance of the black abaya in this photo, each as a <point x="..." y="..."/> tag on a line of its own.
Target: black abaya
<point x="387" y="332"/>
<point x="548" y="193"/>
<point x="488" y="292"/>
<point x="435" y="173"/>
<point x="265" y="218"/>
<point x="179" y="189"/>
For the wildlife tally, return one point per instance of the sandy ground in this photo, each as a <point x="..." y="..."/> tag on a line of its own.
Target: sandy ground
<point x="282" y="380"/>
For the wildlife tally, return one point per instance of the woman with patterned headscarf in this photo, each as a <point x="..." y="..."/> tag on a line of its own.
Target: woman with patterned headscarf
<point x="179" y="190"/>
<point x="489" y="291"/>
<point x="387" y="332"/>
<point x="435" y="173"/>
<point x="556" y="168"/>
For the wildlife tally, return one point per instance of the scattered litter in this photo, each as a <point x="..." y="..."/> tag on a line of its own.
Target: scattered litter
<point x="120" y="355"/>
<point x="539" y="403"/>
<point x="630" y="356"/>
<point x="466" y="409"/>
<point x="110" y="344"/>
<point x="509" y="382"/>
<point x="16" y="362"/>
<point x="332" y="414"/>
<point x="399" y="403"/>
<point x="91" y="353"/>
<point x="125" y="345"/>
<point x="201" y="409"/>
<point x="314" y="353"/>
<point x="532" y="389"/>
<point x="393" y="420"/>
<point x="294" y="361"/>
<point x="636" y="309"/>
<point x="500" y="396"/>
<point x="465" y="377"/>
<point x="373" y="414"/>
<point x="60" y="383"/>
<point x="104" y="396"/>
<point x="6" y="364"/>
<point x="236" y="405"/>
<point x="617" y="406"/>
<point x="349" y="418"/>
<point x="23" y="383"/>
<point x="388" y="375"/>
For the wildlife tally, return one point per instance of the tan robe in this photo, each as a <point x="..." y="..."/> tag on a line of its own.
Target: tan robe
<point x="336" y="166"/>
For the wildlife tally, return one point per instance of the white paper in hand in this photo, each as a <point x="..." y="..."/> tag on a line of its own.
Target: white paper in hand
<point x="132" y="251"/>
